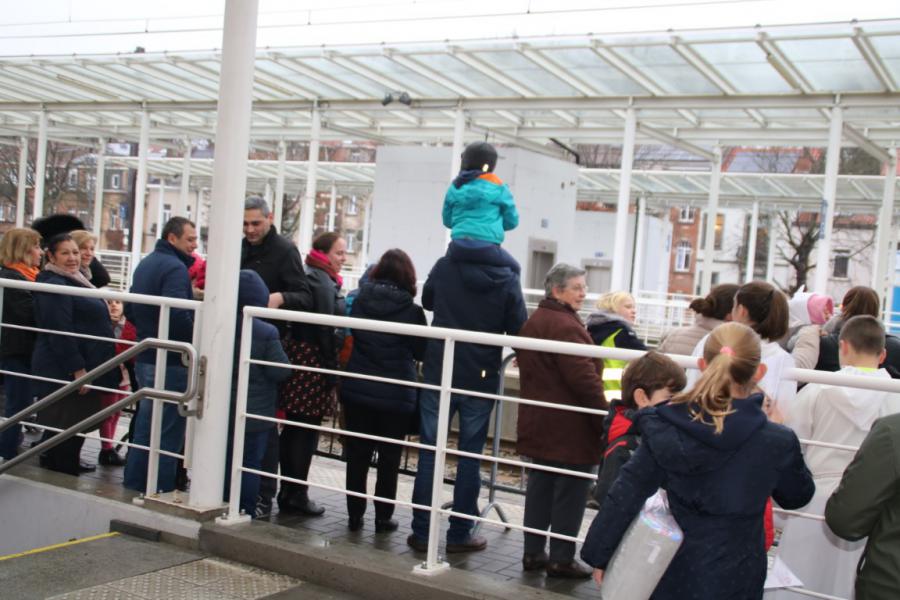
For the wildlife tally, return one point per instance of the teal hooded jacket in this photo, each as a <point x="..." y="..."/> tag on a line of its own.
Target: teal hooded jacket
<point x="482" y="209"/>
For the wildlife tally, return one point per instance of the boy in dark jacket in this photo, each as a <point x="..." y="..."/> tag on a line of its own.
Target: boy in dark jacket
<point x="647" y="381"/>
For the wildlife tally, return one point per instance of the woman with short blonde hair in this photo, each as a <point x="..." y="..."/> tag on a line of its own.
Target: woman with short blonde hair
<point x="612" y="326"/>
<point x="91" y="266"/>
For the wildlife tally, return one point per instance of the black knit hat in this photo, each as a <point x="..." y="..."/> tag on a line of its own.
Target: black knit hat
<point x="478" y="154"/>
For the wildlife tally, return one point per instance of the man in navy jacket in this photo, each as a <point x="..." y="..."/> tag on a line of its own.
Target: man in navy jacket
<point x="475" y="288"/>
<point x="163" y="272"/>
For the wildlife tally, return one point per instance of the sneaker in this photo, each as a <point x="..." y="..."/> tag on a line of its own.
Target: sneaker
<point x="263" y="509"/>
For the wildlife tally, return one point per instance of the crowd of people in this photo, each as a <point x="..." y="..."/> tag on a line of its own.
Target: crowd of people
<point x="722" y="440"/>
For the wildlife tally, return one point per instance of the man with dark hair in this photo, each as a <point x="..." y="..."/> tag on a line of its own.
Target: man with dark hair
<point x="163" y="272"/>
<point x="277" y="261"/>
<point x="472" y="288"/>
<point x="835" y="415"/>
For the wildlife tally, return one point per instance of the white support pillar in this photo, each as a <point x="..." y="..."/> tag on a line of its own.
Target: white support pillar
<point x="160" y="204"/>
<point x="308" y="212"/>
<point x="773" y="245"/>
<point x="619" y="256"/>
<point x="459" y="130"/>
<point x="268" y="195"/>
<point x="226" y="216"/>
<point x="278" y="204"/>
<point x="40" y="168"/>
<point x="140" y="190"/>
<point x="181" y="208"/>
<point x="712" y="210"/>
<point x="22" y="182"/>
<point x="98" y="189"/>
<point x="826" y="228"/>
<point x="637" y="270"/>
<point x="367" y="224"/>
<point x="751" y="242"/>
<point x="883" y="262"/>
<point x="332" y="208"/>
<point x="202" y="194"/>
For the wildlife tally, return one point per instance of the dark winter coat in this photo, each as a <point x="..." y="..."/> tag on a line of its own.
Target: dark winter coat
<point x="277" y="260"/>
<point x="262" y="389"/>
<point x="601" y="325"/>
<point x="18" y="309"/>
<point x="163" y="272"/>
<point x="717" y="485"/>
<point x="326" y="300"/>
<point x="59" y="356"/>
<point x="557" y="435"/>
<point x="384" y="354"/>
<point x="472" y="288"/>
<point x="828" y="353"/>
<point x="99" y="275"/>
<point x="620" y="440"/>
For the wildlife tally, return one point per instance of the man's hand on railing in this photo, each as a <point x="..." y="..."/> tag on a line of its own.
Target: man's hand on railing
<point x="81" y="373"/>
<point x="276" y="299"/>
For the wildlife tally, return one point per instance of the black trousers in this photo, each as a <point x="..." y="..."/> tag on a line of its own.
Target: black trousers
<point x="65" y="457"/>
<point x="363" y="419"/>
<point x="268" y="486"/>
<point x="555" y="502"/>
<point x="297" y="446"/>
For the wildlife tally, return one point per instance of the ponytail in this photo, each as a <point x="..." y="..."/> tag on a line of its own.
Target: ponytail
<point x="767" y="308"/>
<point x="732" y="355"/>
<point x="718" y="303"/>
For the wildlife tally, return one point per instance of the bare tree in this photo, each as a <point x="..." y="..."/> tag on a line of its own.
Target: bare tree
<point x="61" y="158"/>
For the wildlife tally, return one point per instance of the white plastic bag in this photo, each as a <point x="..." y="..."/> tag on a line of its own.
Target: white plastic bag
<point x="644" y="554"/>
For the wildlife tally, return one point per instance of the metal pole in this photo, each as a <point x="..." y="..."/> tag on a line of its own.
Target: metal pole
<point x="308" y="212"/>
<point x="161" y="203"/>
<point x="367" y="221"/>
<point x="751" y="241"/>
<point x="98" y="189"/>
<point x="140" y="188"/>
<point x="826" y="227"/>
<point x="882" y="259"/>
<point x="40" y="168"/>
<point x="440" y="457"/>
<point x="278" y="204"/>
<point x="459" y="131"/>
<point x="637" y="269"/>
<point x="225" y="218"/>
<point x="617" y="277"/>
<point x="22" y="182"/>
<point x="159" y="382"/>
<point x="332" y="207"/>
<point x="773" y="244"/>
<point x="712" y="210"/>
<point x="181" y="208"/>
<point x="240" y="426"/>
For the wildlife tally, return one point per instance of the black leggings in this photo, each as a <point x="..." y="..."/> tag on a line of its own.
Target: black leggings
<point x="297" y="447"/>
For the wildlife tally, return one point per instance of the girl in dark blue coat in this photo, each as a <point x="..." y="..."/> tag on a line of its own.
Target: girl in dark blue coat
<point x="719" y="459"/>
<point x="65" y="357"/>
<point x="376" y="408"/>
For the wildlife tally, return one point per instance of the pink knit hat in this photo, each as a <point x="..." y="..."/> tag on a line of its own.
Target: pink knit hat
<point x="820" y="308"/>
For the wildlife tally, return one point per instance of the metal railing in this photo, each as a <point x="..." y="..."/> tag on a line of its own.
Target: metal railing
<point x="189" y="355"/>
<point x="445" y="388"/>
<point x="165" y="306"/>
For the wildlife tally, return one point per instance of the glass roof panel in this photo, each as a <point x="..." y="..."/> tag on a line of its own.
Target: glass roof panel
<point x="831" y="65"/>
<point x="744" y="65"/>
<point x="593" y="70"/>
<point x="669" y="70"/>
<point x="888" y="49"/>
<point x="527" y="73"/>
<point x="469" y="78"/>
<point x="339" y="73"/>
<point x="407" y="80"/>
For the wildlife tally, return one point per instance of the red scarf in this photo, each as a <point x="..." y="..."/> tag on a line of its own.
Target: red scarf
<point x="319" y="260"/>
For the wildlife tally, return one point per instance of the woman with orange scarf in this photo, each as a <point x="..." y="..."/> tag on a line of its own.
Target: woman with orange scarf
<point x="20" y="260"/>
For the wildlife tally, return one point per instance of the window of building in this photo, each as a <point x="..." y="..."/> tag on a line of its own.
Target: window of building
<point x="352" y="206"/>
<point x="167" y="213"/>
<point x="72" y="179"/>
<point x="350" y="236"/>
<point x="683" y="256"/>
<point x="686" y="214"/>
<point x="841" y="264"/>
<point x="115" y="181"/>
<point x="719" y="232"/>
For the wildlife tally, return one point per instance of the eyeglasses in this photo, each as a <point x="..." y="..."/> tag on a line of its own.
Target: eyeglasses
<point x="577" y="288"/>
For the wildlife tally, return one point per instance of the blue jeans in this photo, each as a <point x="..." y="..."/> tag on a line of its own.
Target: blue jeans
<point x="255" y="443"/>
<point x="474" y="415"/>
<point x="18" y="398"/>
<point x="171" y="437"/>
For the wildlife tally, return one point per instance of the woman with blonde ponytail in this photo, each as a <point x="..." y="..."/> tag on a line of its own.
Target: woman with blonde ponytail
<point x="719" y="459"/>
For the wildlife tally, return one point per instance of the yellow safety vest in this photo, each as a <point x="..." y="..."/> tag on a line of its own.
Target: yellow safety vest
<point x="612" y="371"/>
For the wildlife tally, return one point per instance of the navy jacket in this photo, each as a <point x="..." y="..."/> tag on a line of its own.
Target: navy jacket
<point x="828" y="353"/>
<point x="473" y="288"/>
<point x="717" y="487"/>
<point x="163" y="272"/>
<point x="18" y="309"/>
<point x="384" y="354"/>
<point x="59" y="356"/>
<point x="262" y="389"/>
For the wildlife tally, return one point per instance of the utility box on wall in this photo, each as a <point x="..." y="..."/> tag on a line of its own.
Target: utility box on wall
<point x="410" y="183"/>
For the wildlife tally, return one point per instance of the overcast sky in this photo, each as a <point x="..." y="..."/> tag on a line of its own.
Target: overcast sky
<point x="103" y="26"/>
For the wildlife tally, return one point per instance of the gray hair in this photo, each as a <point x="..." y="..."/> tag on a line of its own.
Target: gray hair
<point x="257" y="203"/>
<point x="559" y="276"/>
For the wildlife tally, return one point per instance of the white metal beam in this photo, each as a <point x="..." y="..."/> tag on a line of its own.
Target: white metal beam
<point x="832" y="162"/>
<point x="674" y="141"/>
<point x="22" y="182"/>
<point x="865" y="143"/>
<point x="782" y="65"/>
<point x="140" y="190"/>
<point x="712" y="211"/>
<point x="619" y="259"/>
<point x="40" y="168"/>
<point x="99" y="180"/>
<point x="307" y="213"/>
<point x="883" y="263"/>
<point x="751" y="243"/>
<point x="873" y="59"/>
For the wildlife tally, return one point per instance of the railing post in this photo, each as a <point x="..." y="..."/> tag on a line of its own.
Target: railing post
<point x="159" y="382"/>
<point x="234" y="515"/>
<point x="432" y="561"/>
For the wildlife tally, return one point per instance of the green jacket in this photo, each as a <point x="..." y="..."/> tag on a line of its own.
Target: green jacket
<point x="867" y="503"/>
